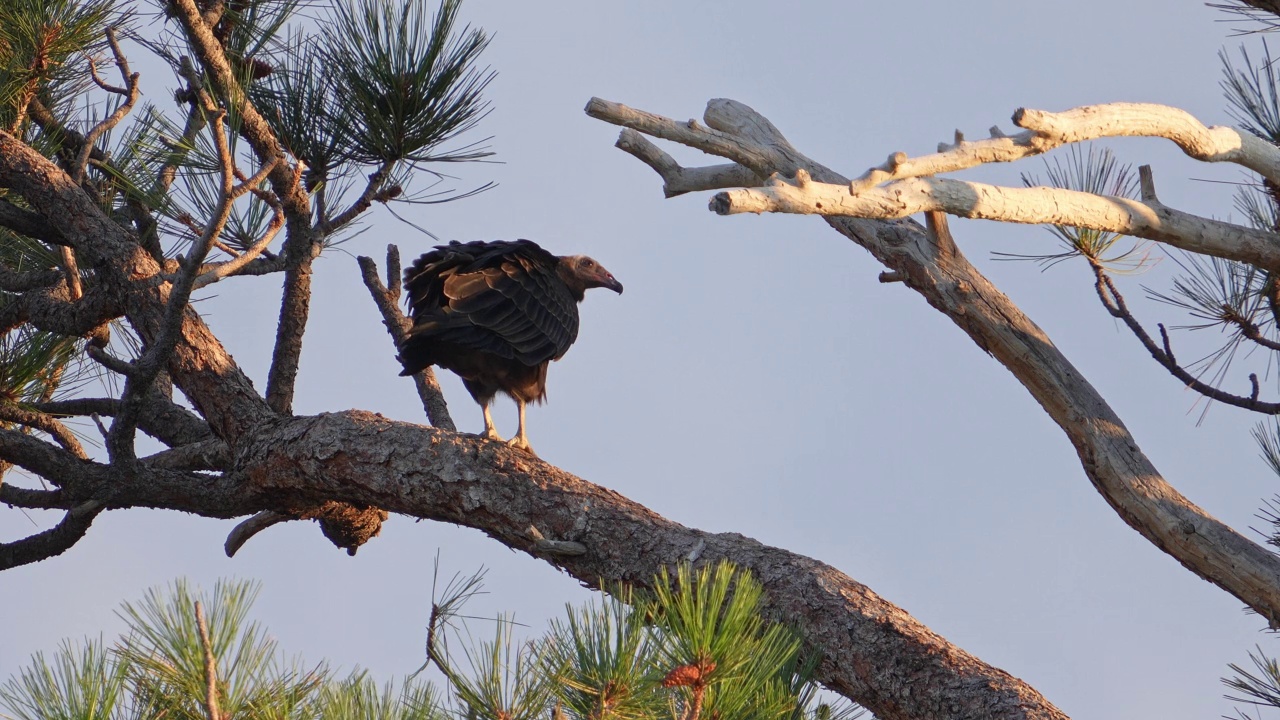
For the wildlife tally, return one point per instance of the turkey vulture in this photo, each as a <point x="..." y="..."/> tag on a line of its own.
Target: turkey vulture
<point x="496" y="313"/>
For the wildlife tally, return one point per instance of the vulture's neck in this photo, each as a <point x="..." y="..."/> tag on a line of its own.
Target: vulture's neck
<point x="576" y="283"/>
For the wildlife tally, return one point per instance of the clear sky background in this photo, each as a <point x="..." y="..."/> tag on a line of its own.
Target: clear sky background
<point x="755" y="377"/>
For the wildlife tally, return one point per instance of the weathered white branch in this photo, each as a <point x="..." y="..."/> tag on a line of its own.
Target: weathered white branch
<point x="1047" y="130"/>
<point x="1148" y="219"/>
<point x="1208" y="144"/>
<point x="1109" y="454"/>
<point x="678" y="180"/>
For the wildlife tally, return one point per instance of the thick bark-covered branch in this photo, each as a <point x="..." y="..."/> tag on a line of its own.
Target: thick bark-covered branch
<point x="25" y="222"/>
<point x="51" y="309"/>
<point x="199" y="364"/>
<point x="1148" y="219"/>
<point x="13" y="413"/>
<point x="873" y="651"/>
<point x="50" y="543"/>
<point x="159" y="417"/>
<point x="1108" y="452"/>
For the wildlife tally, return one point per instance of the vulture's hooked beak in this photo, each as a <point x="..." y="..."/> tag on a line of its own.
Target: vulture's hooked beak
<point x="609" y="281"/>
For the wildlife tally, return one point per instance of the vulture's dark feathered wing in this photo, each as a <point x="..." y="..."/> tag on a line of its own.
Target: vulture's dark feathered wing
<point x="496" y="313"/>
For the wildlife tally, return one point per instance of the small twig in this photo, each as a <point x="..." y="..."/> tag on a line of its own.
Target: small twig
<point x="210" y="667"/>
<point x="1114" y="302"/>
<point x="131" y="97"/>
<point x="891" y="277"/>
<point x="433" y="402"/>
<point x="111" y="362"/>
<point x="1147" y="184"/>
<point x="543" y="546"/>
<point x="377" y="179"/>
<point x="395" y="276"/>
<point x="102" y="429"/>
<point x="242" y="532"/>
<point x="72" y="270"/>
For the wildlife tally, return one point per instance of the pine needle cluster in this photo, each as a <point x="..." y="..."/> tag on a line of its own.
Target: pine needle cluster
<point x="696" y="648"/>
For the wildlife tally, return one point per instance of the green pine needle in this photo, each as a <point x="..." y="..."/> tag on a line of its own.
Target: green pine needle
<point x="1097" y="172"/>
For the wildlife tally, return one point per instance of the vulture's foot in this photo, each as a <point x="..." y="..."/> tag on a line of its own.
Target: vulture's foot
<point x="491" y="434"/>
<point x="520" y="442"/>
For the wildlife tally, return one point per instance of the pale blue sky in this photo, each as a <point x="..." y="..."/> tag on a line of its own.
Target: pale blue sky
<point x="755" y="377"/>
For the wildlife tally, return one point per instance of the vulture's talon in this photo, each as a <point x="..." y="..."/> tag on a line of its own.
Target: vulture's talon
<point x="521" y="443"/>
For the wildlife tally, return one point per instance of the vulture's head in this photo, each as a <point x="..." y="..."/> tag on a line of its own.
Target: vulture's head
<point x="581" y="273"/>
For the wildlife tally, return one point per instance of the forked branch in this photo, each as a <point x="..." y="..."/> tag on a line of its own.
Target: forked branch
<point x="1109" y="455"/>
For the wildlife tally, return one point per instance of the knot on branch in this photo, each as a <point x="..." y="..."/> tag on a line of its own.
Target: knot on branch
<point x="347" y="526"/>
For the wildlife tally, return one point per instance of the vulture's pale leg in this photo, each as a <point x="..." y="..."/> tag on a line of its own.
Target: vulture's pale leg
<point x="521" y="440"/>
<point x="490" y="431"/>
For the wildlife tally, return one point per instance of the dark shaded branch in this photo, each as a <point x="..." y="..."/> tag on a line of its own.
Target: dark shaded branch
<point x="1114" y="302"/>
<point x="397" y="325"/>
<point x="160" y="417"/>
<point x="116" y="365"/>
<point x="25" y="222"/>
<point x="32" y="499"/>
<point x="1251" y="331"/>
<point x="17" y="282"/>
<point x="47" y="424"/>
<point x="295" y="308"/>
<point x="51" y="309"/>
<point x="211" y="454"/>
<point x="245" y="531"/>
<point x="41" y="458"/>
<point x="51" y="542"/>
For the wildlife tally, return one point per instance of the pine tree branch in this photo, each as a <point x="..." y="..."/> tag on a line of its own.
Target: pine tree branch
<point x="160" y="417"/>
<point x="1114" y="302"/>
<point x="130" y="93"/>
<point x="295" y="308"/>
<point x="10" y="412"/>
<point x="51" y="542"/>
<point x="678" y="180"/>
<point x="12" y="281"/>
<point x="199" y="364"/>
<point x="50" y="309"/>
<point x="374" y="190"/>
<point x="874" y="651"/>
<point x="25" y="222"/>
<point x="32" y="499"/>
